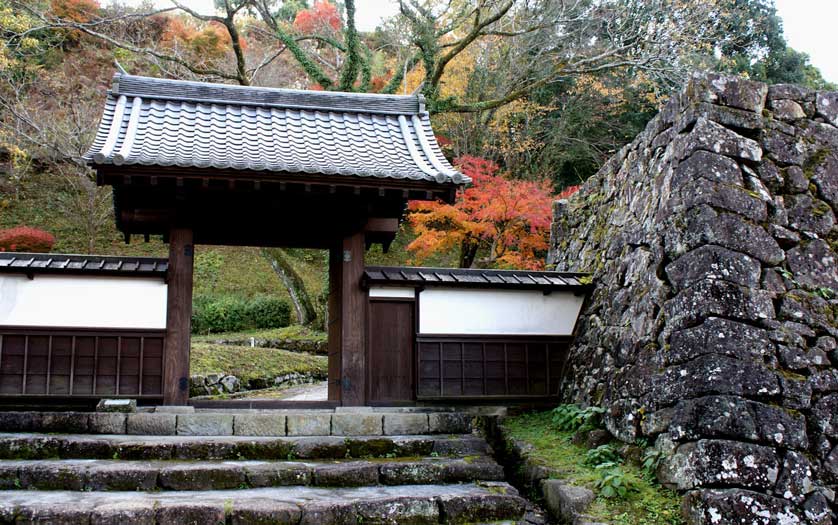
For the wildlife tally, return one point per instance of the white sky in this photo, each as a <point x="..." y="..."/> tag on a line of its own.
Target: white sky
<point x="809" y="25"/>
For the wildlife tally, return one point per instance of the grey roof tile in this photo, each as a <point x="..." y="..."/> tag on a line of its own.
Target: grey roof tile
<point x="156" y="122"/>
<point x="12" y="262"/>
<point x="474" y="278"/>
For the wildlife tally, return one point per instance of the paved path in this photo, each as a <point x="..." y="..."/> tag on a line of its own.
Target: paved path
<point x="312" y="392"/>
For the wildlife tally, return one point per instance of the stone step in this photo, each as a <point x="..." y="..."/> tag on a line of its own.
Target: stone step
<point x="407" y="504"/>
<point x="82" y="446"/>
<point x="356" y="422"/>
<point x="118" y="475"/>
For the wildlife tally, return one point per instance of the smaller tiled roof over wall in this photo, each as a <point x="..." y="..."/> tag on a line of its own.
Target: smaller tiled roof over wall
<point x="475" y="278"/>
<point x="56" y="263"/>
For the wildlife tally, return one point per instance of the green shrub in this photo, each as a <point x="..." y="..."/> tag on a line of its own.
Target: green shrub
<point x="212" y="315"/>
<point x="268" y="312"/>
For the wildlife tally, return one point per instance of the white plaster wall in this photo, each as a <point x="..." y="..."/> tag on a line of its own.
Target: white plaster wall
<point x="392" y="292"/>
<point x="497" y="312"/>
<point x="82" y="301"/>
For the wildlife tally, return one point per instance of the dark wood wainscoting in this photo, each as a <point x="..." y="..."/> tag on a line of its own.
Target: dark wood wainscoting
<point x="79" y="362"/>
<point x="467" y="366"/>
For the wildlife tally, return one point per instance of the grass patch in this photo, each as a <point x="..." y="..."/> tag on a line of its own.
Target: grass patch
<point x="645" y="504"/>
<point x="248" y="363"/>
<point x="295" y="332"/>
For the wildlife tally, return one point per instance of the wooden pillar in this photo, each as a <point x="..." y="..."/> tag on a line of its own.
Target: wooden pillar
<point x="178" y="318"/>
<point x="334" y="322"/>
<point x="347" y="322"/>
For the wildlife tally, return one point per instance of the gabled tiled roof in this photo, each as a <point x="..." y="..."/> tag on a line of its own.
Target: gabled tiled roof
<point x="474" y="278"/>
<point x="156" y="122"/>
<point x="56" y="263"/>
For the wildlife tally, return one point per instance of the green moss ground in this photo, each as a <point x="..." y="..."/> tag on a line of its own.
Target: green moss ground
<point x="295" y="332"/>
<point x="248" y="363"/>
<point x="647" y="504"/>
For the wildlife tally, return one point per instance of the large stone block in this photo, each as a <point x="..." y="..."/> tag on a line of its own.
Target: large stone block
<point x="405" y="424"/>
<point x="731" y="417"/>
<point x="714" y="298"/>
<point x="259" y="425"/>
<point x="814" y="264"/>
<point x="826" y="178"/>
<point x="346" y="475"/>
<point x="65" y="422"/>
<point x="264" y="512"/>
<point x="710" y="374"/>
<point x="721" y="337"/>
<point x="797" y="478"/>
<point x="152" y="424"/>
<point x="706" y="166"/>
<point x="135" y="513"/>
<point x="827" y="105"/>
<point x="783" y="148"/>
<point x="703" y="225"/>
<point x="825" y="416"/>
<point x="732" y="91"/>
<point x="356" y="424"/>
<point x="200" y="476"/>
<point x="449" y="423"/>
<point x="733" y="198"/>
<point x="785" y="109"/>
<point x="205" y="424"/>
<point x="804" y="307"/>
<point x="108" y="423"/>
<point x="565" y="502"/>
<point x="714" y="262"/>
<point x="738" y="507"/>
<point x="309" y="424"/>
<point x="710" y="136"/>
<point x="720" y="463"/>
<point x="809" y="215"/>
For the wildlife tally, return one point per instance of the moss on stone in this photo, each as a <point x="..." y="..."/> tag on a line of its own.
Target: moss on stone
<point x="815" y="160"/>
<point x="646" y="504"/>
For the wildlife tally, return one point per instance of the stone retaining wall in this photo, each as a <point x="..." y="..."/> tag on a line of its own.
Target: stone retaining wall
<point x="712" y="330"/>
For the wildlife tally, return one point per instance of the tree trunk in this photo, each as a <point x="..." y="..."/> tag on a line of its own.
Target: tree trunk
<point x="468" y="251"/>
<point x="281" y="264"/>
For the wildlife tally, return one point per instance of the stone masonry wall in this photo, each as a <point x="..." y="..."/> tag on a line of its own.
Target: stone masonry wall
<point x="712" y="330"/>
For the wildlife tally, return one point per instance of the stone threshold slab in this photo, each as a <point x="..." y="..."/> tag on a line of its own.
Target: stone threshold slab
<point x="170" y="422"/>
<point x="120" y="475"/>
<point x="415" y="504"/>
<point x="82" y="446"/>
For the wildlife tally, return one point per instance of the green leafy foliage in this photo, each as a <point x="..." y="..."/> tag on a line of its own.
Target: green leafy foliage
<point x="613" y="482"/>
<point x="571" y="418"/>
<point x="212" y="314"/>
<point x="601" y="455"/>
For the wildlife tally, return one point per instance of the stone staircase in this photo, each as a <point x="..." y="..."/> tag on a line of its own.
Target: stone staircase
<point x="360" y="466"/>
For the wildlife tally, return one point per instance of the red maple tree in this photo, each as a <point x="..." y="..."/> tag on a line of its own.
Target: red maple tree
<point x="322" y="17"/>
<point x="503" y="220"/>
<point x="25" y="239"/>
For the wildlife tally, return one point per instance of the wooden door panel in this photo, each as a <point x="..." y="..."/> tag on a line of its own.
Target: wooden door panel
<point x="390" y="360"/>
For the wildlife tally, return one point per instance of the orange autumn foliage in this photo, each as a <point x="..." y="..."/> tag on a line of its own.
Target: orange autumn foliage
<point x="209" y="42"/>
<point x="76" y="10"/>
<point x="322" y="17"/>
<point x="507" y="219"/>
